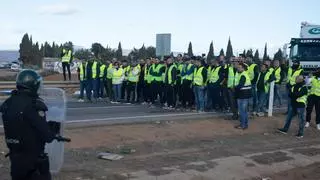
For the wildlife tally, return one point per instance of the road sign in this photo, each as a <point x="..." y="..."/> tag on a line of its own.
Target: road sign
<point x="163" y="45"/>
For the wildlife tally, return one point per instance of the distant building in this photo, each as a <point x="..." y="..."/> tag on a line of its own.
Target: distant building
<point x="163" y="44"/>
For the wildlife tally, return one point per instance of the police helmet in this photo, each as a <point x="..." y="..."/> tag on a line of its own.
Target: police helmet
<point x="29" y="79"/>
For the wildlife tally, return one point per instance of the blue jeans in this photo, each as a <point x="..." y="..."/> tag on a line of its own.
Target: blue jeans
<point x="92" y="86"/>
<point x="277" y="95"/>
<point x="116" y="92"/>
<point x="262" y="98"/>
<point x="242" y="106"/>
<point x="291" y="114"/>
<point x="199" y="97"/>
<point x="102" y="87"/>
<point x="288" y="98"/>
<point x="82" y="88"/>
<point x="209" y="102"/>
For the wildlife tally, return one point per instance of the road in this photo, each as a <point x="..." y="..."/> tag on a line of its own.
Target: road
<point x="105" y="113"/>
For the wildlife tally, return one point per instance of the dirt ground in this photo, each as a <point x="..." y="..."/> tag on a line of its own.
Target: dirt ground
<point x="174" y="144"/>
<point x="311" y="172"/>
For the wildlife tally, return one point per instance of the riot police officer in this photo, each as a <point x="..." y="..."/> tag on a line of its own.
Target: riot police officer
<point x="26" y="129"/>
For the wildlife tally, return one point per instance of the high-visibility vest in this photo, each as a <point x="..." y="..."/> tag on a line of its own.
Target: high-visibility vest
<point x="147" y="77"/>
<point x="169" y="74"/>
<point x="102" y="68"/>
<point x="94" y="69"/>
<point x="126" y="72"/>
<point x="289" y="74"/>
<point x="214" y="75"/>
<point x="231" y="77"/>
<point x="82" y="71"/>
<point x="209" y="72"/>
<point x="302" y="99"/>
<point x="315" y="86"/>
<point x="134" y="78"/>
<point x="198" y="78"/>
<point x="185" y="70"/>
<point x="265" y="80"/>
<point x="251" y="71"/>
<point x="180" y="67"/>
<point x="277" y="74"/>
<point x="117" y="75"/>
<point x="248" y="81"/>
<point x="157" y="70"/>
<point x="236" y="79"/>
<point x="109" y="71"/>
<point x="67" y="56"/>
<point x="293" y="76"/>
<point x="271" y="70"/>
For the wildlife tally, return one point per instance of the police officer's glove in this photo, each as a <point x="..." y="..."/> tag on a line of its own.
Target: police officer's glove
<point x="62" y="139"/>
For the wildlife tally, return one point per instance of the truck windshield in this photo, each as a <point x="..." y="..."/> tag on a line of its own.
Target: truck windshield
<point x="309" y="51"/>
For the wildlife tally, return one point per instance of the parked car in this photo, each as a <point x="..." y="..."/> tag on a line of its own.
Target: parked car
<point x="15" y="66"/>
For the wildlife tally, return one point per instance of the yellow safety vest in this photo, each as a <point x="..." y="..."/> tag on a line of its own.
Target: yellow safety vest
<point x="82" y="69"/>
<point x="180" y="68"/>
<point x="266" y="78"/>
<point x="157" y="70"/>
<point x="186" y="69"/>
<point x="315" y="86"/>
<point x="168" y="72"/>
<point x="251" y="71"/>
<point x="248" y="81"/>
<point x="277" y="75"/>
<point x="198" y="78"/>
<point x="209" y="72"/>
<point x="94" y="69"/>
<point x="289" y="74"/>
<point x="271" y="70"/>
<point x="214" y="75"/>
<point x="293" y="76"/>
<point x="109" y="71"/>
<point x="147" y="76"/>
<point x="302" y="99"/>
<point x="117" y="76"/>
<point x="231" y="77"/>
<point x="126" y="72"/>
<point x="66" y="57"/>
<point x="134" y="78"/>
<point x="238" y="77"/>
<point x="102" y="68"/>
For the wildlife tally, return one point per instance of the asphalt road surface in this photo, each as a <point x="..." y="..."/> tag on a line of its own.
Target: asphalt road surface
<point x="101" y="112"/>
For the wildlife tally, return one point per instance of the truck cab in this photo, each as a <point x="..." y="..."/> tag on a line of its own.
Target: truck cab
<point x="306" y="49"/>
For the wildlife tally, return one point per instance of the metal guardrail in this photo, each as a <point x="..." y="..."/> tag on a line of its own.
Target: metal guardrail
<point x="58" y="84"/>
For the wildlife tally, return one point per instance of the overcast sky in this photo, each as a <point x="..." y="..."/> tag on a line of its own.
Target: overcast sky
<point x="249" y="23"/>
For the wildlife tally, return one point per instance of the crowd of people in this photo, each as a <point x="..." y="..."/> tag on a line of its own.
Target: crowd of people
<point x="236" y="84"/>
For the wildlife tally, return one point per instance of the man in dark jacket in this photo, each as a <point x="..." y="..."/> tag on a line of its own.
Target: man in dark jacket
<point x="215" y="77"/>
<point x="170" y="81"/>
<point x="263" y="86"/>
<point x="243" y="94"/>
<point x="298" y="95"/>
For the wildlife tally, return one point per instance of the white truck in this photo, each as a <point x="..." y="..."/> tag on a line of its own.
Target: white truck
<point x="306" y="49"/>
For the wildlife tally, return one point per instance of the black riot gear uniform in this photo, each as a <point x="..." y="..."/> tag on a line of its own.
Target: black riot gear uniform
<point x="26" y="129"/>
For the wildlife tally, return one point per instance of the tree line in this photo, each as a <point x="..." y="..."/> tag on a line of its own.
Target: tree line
<point x="32" y="54"/>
